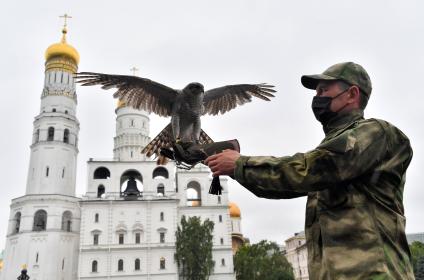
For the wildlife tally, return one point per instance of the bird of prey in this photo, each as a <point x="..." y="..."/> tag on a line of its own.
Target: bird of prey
<point x="185" y="106"/>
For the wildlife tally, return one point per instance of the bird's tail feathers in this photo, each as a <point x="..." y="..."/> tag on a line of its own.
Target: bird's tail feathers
<point x="163" y="139"/>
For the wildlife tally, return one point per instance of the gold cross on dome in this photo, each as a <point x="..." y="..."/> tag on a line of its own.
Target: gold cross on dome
<point x="65" y="16"/>
<point x="134" y="71"/>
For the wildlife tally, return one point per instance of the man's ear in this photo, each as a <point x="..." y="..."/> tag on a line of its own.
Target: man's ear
<point x="354" y="94"/>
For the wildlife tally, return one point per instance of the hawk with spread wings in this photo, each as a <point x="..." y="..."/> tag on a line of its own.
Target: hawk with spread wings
<point x="183" y="106"/>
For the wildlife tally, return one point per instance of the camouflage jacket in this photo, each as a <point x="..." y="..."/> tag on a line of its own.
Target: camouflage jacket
<point x="354" y="180"/>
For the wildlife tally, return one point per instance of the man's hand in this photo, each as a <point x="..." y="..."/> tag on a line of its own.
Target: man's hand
<point x="223" y="163"/>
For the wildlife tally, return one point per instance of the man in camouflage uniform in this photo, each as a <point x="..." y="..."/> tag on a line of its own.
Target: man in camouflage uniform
<point x="354" y="181"/>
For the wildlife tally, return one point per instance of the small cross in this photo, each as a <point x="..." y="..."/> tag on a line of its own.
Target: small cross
<point x="134" y="70"/>
<point x="65" y="16"/>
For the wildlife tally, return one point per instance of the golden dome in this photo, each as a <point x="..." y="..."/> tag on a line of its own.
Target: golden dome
<point x="234" y="210"/>
<point x="62" y="49"/>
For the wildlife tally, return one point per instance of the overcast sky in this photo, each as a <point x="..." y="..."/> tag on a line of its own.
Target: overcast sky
<point x="217" y="43"/>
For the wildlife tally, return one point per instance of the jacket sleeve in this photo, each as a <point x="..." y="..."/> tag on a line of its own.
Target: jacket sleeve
<point x="345" y="157"/>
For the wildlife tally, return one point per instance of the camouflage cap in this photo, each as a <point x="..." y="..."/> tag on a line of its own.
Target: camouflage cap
<point x="349" y="72"/>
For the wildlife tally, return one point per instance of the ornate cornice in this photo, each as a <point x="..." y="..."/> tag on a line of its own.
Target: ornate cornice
<point x="60" y="92"/>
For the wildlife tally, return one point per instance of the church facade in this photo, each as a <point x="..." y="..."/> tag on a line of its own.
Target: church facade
<point x="124" y="226"/>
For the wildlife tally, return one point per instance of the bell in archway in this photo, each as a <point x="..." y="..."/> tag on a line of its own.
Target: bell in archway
<point x="131" y="190"/>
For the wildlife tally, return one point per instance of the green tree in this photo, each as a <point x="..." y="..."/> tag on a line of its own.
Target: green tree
<point x="419" y="272"/>
<point x="417" y="251"/>
<point x="194" y="248"/>
<point x="262" y="261"/>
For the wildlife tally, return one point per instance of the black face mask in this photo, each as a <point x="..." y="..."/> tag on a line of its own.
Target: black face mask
<point x="321" y="107"/>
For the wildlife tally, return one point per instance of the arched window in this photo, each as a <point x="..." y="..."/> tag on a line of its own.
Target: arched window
<point x="100" y="191"/>
<point x="194" y="194"/>
<point x="94" y="266"/>
<point x="101" y="173"/>
<point x="222" y="241"/>
<point x="223" y="262"/>
<point x="220" y="218"/>
<point x="17" y="222"/>
<point x="131" y="183"/>
<point x="96" y="218"/>
<point x="120" y="265"/>
<point x="162" y="263"/>
<point x="40" y="221"/>
<point x="137" y="264"/>
<point x="161" y="216"/>
<point x="67" y="221"/>
<point x="66" y="136"/>
<point x="160" y="172"/>
<point x="161" y="190"/>
<point x="50" y="134"/>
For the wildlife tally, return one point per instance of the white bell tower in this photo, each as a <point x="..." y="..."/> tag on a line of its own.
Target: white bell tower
<point x="132" y="132"/>
<point x="44" y="224"/>
<point x="54" y="149"/>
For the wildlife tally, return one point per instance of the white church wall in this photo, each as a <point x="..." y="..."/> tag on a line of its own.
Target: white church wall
<point x="47" y="167"/>
<point x="45" y="253"/>
<point x="59" y="103"/>
<point x="85" y="264"/>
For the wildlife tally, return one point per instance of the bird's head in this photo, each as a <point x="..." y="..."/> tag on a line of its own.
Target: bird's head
<point x="194" y="88"/>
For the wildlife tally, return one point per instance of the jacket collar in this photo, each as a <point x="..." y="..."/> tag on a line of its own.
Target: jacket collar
<point x="342" y="120"/>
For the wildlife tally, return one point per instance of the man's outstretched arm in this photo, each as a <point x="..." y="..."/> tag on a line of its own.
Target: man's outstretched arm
<point x="346" y="157"/>
<point x="225" y="163"/>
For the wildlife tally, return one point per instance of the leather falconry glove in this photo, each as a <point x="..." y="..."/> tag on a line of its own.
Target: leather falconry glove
<point x="191" y="153"/>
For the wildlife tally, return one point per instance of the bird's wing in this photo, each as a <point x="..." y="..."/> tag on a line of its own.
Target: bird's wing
<point x="224" y="99"/>
<point x="139" y="93"/>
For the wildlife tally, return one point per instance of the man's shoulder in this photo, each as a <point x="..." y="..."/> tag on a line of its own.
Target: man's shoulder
<point x="378" y="122"/>
<point x="386" y="128"/>
<point x="373" y="122"/>
<point x="361" y="133"/>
